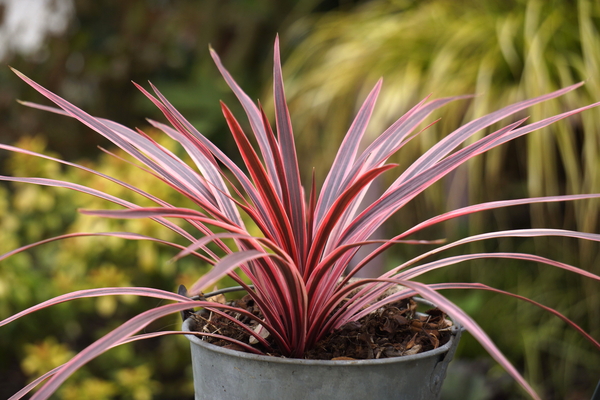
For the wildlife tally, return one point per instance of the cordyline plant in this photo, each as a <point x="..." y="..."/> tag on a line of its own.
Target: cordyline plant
<point x="297" y="267"/>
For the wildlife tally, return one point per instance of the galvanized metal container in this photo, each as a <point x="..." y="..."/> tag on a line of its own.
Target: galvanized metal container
<point x="223" y="374"/>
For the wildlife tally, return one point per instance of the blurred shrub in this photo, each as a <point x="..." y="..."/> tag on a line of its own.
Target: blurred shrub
<point x="156" y="369"/>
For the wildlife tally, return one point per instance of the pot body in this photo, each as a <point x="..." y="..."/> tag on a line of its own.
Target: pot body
<point x="223" y="374"/>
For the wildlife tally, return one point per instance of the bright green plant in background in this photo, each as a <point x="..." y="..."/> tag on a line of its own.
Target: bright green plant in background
<point x="504" y="52"/>
<point x="31" y="213"/>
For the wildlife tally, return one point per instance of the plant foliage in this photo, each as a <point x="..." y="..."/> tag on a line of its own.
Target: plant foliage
<point x="297" y="264"/>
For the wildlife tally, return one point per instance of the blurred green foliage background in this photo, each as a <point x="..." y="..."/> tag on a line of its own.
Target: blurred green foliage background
<point x="334" y="52"/>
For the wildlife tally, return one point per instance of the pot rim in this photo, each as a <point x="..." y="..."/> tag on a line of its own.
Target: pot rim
<point x="455" y="329"/>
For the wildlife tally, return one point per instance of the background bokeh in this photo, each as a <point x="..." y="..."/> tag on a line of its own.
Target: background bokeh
<point x="333" y="52"/>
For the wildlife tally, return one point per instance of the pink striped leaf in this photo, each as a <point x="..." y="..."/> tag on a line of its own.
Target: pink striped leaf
<point x="346" y="153"/>
<point x="295" y="205"/>
<point x="457" y="314"/>
<point x="452" y="141"/>
<point x="152" y="212"/>
<point x="196" y="146"/>
<point x="80" y="294"/>
<point x="270" y="200"/>
<point x="122" y="235"/>
<point x="109" y="340"/>
<point x="254" y="118"/>
<point x="467" y="211"/>
<point x="226" y="264"/>
<point x="491" y="235"/>
<point x="167" y="165"/>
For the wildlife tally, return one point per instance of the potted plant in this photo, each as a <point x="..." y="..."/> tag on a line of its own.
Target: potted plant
<point x="301" y="288"/>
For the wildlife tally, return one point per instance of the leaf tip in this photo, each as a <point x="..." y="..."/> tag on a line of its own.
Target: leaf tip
<point x="18" y="73"/>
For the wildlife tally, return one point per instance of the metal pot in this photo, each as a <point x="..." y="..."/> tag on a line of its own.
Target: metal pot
<point x="224" y="374"/>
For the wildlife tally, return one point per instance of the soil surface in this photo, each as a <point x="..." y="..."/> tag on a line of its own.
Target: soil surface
<point x="392" y="331"/>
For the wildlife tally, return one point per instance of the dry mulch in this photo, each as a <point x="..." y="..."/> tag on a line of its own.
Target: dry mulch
<point x="392" y="331"/>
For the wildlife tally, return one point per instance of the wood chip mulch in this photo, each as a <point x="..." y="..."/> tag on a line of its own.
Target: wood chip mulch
<point x="392" y="331"/>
